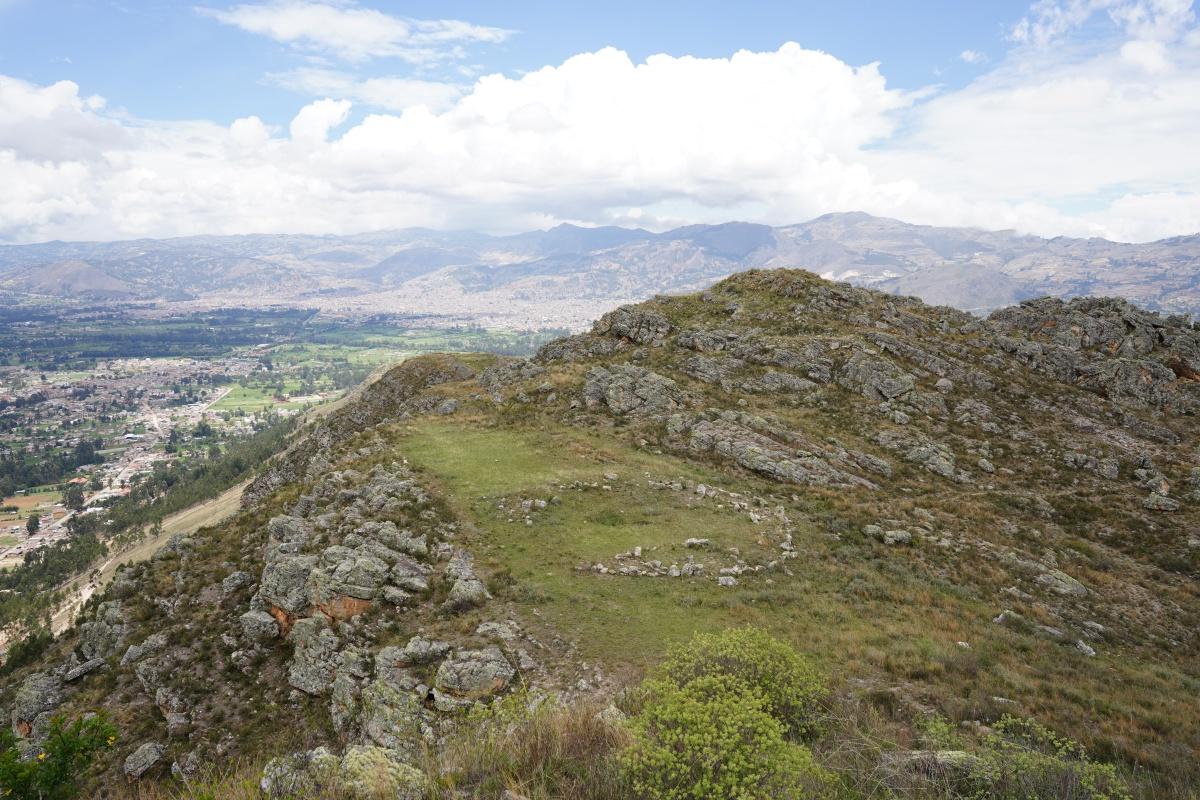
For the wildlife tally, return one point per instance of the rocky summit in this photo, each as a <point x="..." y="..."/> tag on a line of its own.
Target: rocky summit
<point x="951" y="516"/>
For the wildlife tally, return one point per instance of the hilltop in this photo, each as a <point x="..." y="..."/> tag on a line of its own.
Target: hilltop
<point x="568" y="275"/>
<point x="955" y="518"/>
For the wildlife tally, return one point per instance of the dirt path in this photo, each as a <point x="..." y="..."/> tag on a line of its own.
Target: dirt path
<point x="190" y="519"/>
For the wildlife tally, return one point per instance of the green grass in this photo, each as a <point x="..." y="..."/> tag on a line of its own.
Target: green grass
<point x="886" y="616"/>
<point x="629" y="621"/>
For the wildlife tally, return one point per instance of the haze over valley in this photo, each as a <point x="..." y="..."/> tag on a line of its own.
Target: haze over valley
<point x="567" y="276"/>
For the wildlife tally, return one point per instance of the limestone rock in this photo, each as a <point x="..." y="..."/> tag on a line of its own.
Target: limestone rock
<point x="315" y="655"/>
<point x="259" y="626"/>
<point x="638" y="325"/>
<point x="475" y="673"/>
<point x="1061" y="583"/>
<point x="139" y="762"/>
<point x="875" y="378"/>
<point x="103" y="635"/>
<point x="625" y="389"/>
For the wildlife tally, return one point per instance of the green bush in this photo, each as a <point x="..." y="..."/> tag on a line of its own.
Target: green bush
<point x="790" y="686"/>
<point x="1022" y="759"/>
<point x="53" y="772"/>
<point x="715" y="737"/>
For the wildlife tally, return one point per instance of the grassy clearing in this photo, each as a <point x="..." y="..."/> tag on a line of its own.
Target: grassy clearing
<point x="891" y="619"/>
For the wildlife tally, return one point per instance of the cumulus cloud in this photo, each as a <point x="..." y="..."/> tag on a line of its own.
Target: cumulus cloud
<point x="973" y="56"/>
<point x="355" y="34"/>
<point x="1094" y="144"/>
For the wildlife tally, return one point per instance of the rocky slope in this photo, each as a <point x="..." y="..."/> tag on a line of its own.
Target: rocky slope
<point x="953" y="515"/>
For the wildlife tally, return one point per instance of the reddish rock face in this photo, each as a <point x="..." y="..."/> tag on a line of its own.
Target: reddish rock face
<point x="284" y="619"/>
<point x="23" y="728"/>
<point x="344" y="607"/>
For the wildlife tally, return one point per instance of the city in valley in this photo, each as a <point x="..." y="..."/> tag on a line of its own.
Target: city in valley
<point x="109" y="426"/>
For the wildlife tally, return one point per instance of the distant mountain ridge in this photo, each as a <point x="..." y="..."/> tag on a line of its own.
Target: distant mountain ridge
<point x="570" y="274"/>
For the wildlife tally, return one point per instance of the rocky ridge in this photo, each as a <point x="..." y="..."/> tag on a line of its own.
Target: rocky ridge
<point x="1045" y="460"/>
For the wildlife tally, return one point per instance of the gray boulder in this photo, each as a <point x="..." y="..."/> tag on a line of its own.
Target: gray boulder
<point x="475" y="673"/>
<point x="638" y="325"/>
<point x="285" y="583"/>
<point x="315" y="657"/>
<point x="625" y="389"/>
<point x="141" y="760"/>
<point x="236" y="581"/>
<point x="36" y="697"/>
<point x="103" y="635"/>
<point x="875" y="378"/>
<point x="1061" y="583"/>
<point x="259" y="626"/>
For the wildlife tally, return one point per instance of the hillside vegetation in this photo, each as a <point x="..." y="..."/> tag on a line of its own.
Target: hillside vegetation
<point x="979" y="539"/>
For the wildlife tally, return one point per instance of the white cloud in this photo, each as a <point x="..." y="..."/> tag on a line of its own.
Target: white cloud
<point x="973" y="57"/>
<point x="312" y="125"/>
<point x="355" y="34"/>
<point x="390" y="93"/>
<point x="1158" y="20"/>
<point x="1047" y="141"/>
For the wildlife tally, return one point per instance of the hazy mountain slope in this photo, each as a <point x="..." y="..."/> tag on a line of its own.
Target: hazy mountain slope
<point x="569" y="275"/>
<point x="950" y="515"/>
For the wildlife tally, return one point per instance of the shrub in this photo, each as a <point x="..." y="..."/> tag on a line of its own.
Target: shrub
<point x="715" y="736"/>
<point x="1022" y="759"/>
<point x="54" y="771"/>
<point x="791" y="688"/>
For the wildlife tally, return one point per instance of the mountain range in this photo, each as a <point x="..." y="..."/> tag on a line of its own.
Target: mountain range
<point x="568" y="275"/>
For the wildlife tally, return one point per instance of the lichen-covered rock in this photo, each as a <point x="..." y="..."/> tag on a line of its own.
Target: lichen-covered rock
<point x="1158" y="502"/>
<point x="151" y="644"/>
<point x="36" y="697"/>
<point x="285" y="582"/>
<point x="86" y="668"/>
<point x="364" y="772"/>
<point x="236" y="581"/>
<point x="762" y="454"/>
<point x="315" y="655"/>
<point x="1061" y="583"/>
<point x="468" y="592"/>
<point x="420" y="650"/>
<point x="343" y="572"/>
<point x="373" y="773"/>
<point x="475" y="673"/>
<point x="626" y="389"/>
<point x="103" y="635"/>
<point x="392" y="716"/>
<point x="259" y="626"/>
<point x="875" y="378"/>
<point x="140" y="761"/>
<point x="299" y="774"/>
<point x="637" y="324"/>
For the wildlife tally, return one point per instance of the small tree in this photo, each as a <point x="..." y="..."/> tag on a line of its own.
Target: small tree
<point x="73" y="497"/>
<point x="54" y="772"/>
<point x="33" y="524"/>
<point x="723" y="717"/>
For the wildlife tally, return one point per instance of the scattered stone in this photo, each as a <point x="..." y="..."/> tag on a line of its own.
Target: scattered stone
<point x="1158" y="502"/>
<point x="1061" y="583"/>
<point x="142" y="759"/>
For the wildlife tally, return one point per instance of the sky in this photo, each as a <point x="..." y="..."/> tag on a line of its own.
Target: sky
<point x="149" y="118"/>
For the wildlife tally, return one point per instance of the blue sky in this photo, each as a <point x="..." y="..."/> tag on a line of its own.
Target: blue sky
<point x="153" y="118"/>
<point x="163" y="60"/>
